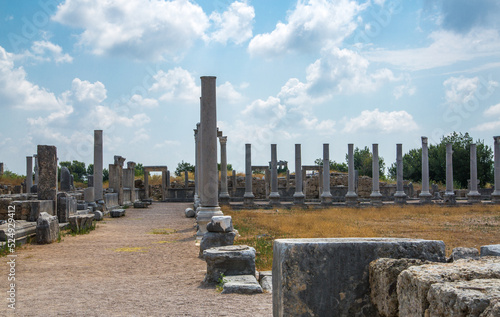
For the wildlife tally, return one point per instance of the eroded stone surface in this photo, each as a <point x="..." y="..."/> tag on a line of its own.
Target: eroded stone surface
<point x="47" y="228"/>
<point x="220" y="224"/>
<point x="216" y="239"/>
<point x="241" y="284"/>
<point x="266" y="280"/>
<point x="81" y="222"/>
<point x="490" y="250"/>
<point x="229" y="260"/>
<point x="464" y="253"/>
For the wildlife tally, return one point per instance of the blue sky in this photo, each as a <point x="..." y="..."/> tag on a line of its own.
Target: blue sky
<point x="308" y="72"/>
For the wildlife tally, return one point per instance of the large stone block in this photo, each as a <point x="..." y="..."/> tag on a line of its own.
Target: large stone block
<point x="88" y="195"/>
<point x="81" y="222"/>
<point x="329" y="277"/>
<point x="241" y="284"/>
<point x="463" y="253"/>
<point x="39" y="206"/>
<point x="115" y="213"/>
<point x="216" y="239"/>
<point x="490" y="250"/>
<point x="47" y="168"/>
<point x="415" y="282"/>
<point x="220" y="224"/>
<point x="47" y="228"/>
<point x="229" y="260"/>
<point x="111" y="201"/>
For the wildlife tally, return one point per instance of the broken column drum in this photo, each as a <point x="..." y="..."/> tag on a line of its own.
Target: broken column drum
<point x="274" y="196"/>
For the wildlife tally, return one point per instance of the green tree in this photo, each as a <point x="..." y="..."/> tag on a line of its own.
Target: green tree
<point x="334" y="166"/>
<point x="105" y="174"/>
<point x="363" y="162"/>
<point x="90" y="170"/>
<point x="139" y="170"/>
<point x="77" y="169"/>
<point x="182" y="167"/>
<point x="229" y="167"/>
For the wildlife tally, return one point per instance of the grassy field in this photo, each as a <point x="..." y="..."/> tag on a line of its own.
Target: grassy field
<point x="467" y="226"/>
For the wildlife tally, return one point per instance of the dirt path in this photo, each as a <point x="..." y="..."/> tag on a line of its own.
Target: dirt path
<point x="122" y="269"/>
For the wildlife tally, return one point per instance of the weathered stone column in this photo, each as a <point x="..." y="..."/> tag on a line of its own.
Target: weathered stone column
<point x="196" y="167"/>
<point x="98" y="165"/>
<point x="449" y="195"/>
<point x="1" y="169"/>
<point x="224" y="194"/>
<point x="298" y="196"/>
<point x="375" y="196"/>
<point x="234" y="180"/>
<point x="164" y="184"/>
<point x="167" y="181"/>
<point x="146" y="184"/>
<point x="425" y="196"/>
<point x="274" y="196"/>
<point x="47" y="167"/>
<point x="29" y="174"/>
<point x="287" y="185"/>
<point x="131" y="180"/>
<point x="116" y="177"/>
<point x="399" y="196"/>
<point x="326" y="196"/>
<point x="186" y="179"/>
<point x="37" y="172"/>
<point x="248" y="197"/>
<point x="495" y="196"/>
<point x="351" y="197"/>
<point x="210" y="176"/>
<point x="473" y="196"/>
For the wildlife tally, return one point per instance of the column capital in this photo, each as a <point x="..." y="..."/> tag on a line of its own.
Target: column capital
<point x="424" y="140"/>
<point x="223" y="139"/>
<point x="497" y="139"/>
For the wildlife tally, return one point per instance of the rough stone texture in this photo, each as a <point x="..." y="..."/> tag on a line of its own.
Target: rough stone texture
<point x="97" y="215"/>
<point x="65" y="179"/>
<point x="266" y="280"/>
<point x="384" y="274"/>
<point x="229" y="260"/>
<point x="66" y="205"/>
<point x="190" y="213"/>
<point x="140" y="204"/>
<point x="492" y="311"/>
<point x="115" y="213"/>
<point x="47" y="228"/>
<point x="330" y="277"/>
<point x="463" y="298"/>
<point x="47" y="167"/>
<point x="81" y="222"/>
<point x="220" y="224"/>
<point x="39" y="206"/>
<point x="111" y="201"/>
<point x="464" y="253"/>
<point x="490" y="250"/>
<point x="415" y="282"/>
<point x="216" y="239"/>
<point x="241" y="284"/>
<point x="23" y="229"/>
<point x="88" y="195"/>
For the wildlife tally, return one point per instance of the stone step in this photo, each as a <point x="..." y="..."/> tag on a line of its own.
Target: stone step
<point x="241" y="284"/>
<point x="23" y="229"/>
<point x="117" y="213"/>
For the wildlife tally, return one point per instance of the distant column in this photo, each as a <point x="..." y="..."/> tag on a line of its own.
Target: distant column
<point x="287" y="185"/>
<point x="164" y="184"/>
<point x="98" y="165"/>
<point x="1" y="169"/>
<point x="399" y="196"/>
<point x="167" y="181"/>
<point x="131" y="180"/>
<point x="233" y="178"/>
<point x="37" y="172"/>
<point x="298" y="196"/>
<point x="495" y="196"/>
<point x="186" y="179"/>
<point x="375" y="196"/>
<point x="47" y="167"/>
<point x="224" y="194"/>
<point x="274" y="196"/>
<point x="29" y="174"/>
<point x="196" y="168"/>
<point x="449" y="195"/>
<point x="473" y="196"/>
<point x="425" y="196"/>
<point x="116" y="177"/>
<point x="248" y="197"/>
<point x="326" y="196"/>
<point x="351" y="197"/>
<point x="146" y="184"/>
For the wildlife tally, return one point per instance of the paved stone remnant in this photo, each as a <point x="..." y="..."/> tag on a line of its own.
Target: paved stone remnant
<point x="65" y="179"/>
<point x="351" y="197"/>
<point x="375" y="196"/>
<point x="29" y="173"/>
<point x="495" y="196"/>
<point x="399" y="196"/>
<point x="384" y="274"/>
<point x="298" y="196"/>
<point x="229" y="260"/>
<point x="47" y="228"/>
<point x="274" y="196"/>
<point x="425" y="196"/>
<point x="241" y="284"/>
<point x="449" y="195"/>
<point x="330" y="277"/>
<point x="248" y="197"/>
<point x="326" y="196"/>
<point x="490" y="250"/>
<point x="98" y="165"/>
<point x="47" y="167"/>
<point x="473" y="195"/>
<point x="415" y="282"/>
<point x="220" y="224"/>
<point x="464" y="253"/>
<point x="190" y="213"/>
<point x="266" y="280"/>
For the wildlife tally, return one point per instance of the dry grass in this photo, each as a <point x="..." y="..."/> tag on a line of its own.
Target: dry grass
<point x="468" y="226"/>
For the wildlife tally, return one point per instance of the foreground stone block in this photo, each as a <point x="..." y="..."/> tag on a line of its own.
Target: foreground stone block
<point x="490" y="250"/>
<point x="216" y="239"/>
<point x="241" y="284"/>
<point x="23" y="229"/>
<point x="464" y="253"/>
<point x="229" y="260"/>
<point x="463" y="298"/>
<point x="47" y="228"/>
<point x="220" y="224"/>
<point x="81" y="222"/>
<point x="329" y="277"/>
<point x="115" y="213"/>
<point x="415" y="282"/>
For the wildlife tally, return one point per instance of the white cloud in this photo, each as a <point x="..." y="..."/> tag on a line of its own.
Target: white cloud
<point x="45" y="51"/>
<point x="463" y="90"/>
<point x="381" y="121"/>
<point x="87" y="93"/>
<point x="271" y="107"/>
<point x="166" y="143"/>
<point x="493" y="111"/>
<point x="140" y="29"/>
<point x="227" y="92"/>
<point x="177" y="84"/>
<point x="235" y="24"/>
<point x="138" y="100"/>
<point x="105" y="117"/>
<point x="311" y="25"/>
<point x="324" y="127"/>
<point x="140" y="136"/>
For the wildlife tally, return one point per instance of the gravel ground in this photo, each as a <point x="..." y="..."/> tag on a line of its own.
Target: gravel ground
<point x="123" y="269"/>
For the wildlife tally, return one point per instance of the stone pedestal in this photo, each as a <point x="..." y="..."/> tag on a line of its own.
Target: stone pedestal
<point x="98" y="165"/>
<point x="351" y="198"/>
<point x="425" y="196"/>
<point x="399" y="196"/>
<point x="326" y="196"/>
<point x="47" y="167"/>
<point x="495" y="196"/>
<point x="248" y="197"/>
<point x="224" y="194"/>
<point x="375" y="196"/>
<point x="298" y="196"/>
<point x="449" y="195"/>
<point x="274" y="196"/>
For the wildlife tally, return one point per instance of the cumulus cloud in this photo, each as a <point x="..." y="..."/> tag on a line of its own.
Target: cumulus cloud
<point x="176" y="84"/>
<point x="462" y="15"/>
<point x="311" y="25"/>
<point x="463" y="90"/>
<point x="381" y="121"/>
<point x="265" y="108"/>
<point x="45" y="51"/>
<point x="491" y="112"/>
<point x="139" y="101"/>
<point x="235" y="24"/>
<point x="228" y="93"/>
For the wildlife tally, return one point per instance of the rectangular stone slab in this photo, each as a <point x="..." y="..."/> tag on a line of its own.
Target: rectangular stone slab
<point x="117" y="213"/>
<point x="329" y="276"/>
<point x="241" y="284"/>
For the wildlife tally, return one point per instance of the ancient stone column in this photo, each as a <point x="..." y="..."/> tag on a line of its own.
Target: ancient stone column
<point x="399" y="196"/>
<point x="167" y="181"/>
<point x="233" y="178"/>
<point x="326" y="196"/>
<point x="47" y="167"/>
<point x="65" y="179"/>
<point x="164" y="184"/>
<point x="131" y="180"/>
<point x="375" y="196"/>
<point x="351" y="197"/>
<point x="274" y="196"/>
<point x="146" y="184"/>
<point x="196" y="167"/>
<point x="224" y="194"/>
<point x="425" y="196"/>
<point x="495" y="196"/>
<point x="298" y="196"/>
<point x="186" y="179"/>
<point x="116" y="177"/>
<point x="449" y="195"/>
<point x="287" y="178"/>
<point x="1" y="169"/>
<point x="98" y="165"/>
<point x="37" y="173"/>
<point x="29" y="174"/>
<point x="210" y="176"/>
<point x="248" y="197"/>
<point x="473" y="196"/>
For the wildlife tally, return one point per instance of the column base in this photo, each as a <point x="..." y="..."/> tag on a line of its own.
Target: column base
<point x="248" y="200"/>
<point x="449" y="199"/>
<point x="425" y="198"/>
<point x="204" y="216"/>
<point x="224" y="199"/>
<point x="299" y="199"/>
<point x="400" y="198"/>
<point x="274" y="199"/>
<point x="474" y="197"/>
<point x="495" y="197"/>
<point x="351" y="199"/>
<point x="376" y="199"/>
<point x="326" y="199"/>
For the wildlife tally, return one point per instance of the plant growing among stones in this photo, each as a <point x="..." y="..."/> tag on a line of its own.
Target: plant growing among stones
<point x="220" y="283"/>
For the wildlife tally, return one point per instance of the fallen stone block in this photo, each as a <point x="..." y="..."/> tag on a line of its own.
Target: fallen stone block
<point x="98" y="215"/>
<point x="266" y="280"/>
<point x="463" y="298"/>
<point x="81" y="222"/>
<point x="241" y="284"/>
<point x="140" y="204"/>
<point x="229" y="260"/>
<point x="115" y="213"/>
<point x="216" y="239"/>
<point x="189" y="213"/>
<point x="463" y="253"/>
<point x="415" y="282"/>
<point x="23" y="229"/>
<point x="220" y="224"/>
<point x="490" y="250"/>
<point x="47" y="228"/>
<point x="148" y="201"/>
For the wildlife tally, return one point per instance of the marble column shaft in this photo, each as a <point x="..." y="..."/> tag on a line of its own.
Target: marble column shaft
<point x="298" y="196"/>
<point x="473" y="195"/>
<point x="495" y="196"/>
<point x="399" y="196"/>
<point x="196" y="166"/>
<point x="425" y="167"/>
<point x="223" y="167"/>
<point x="375" y="171"/>
<point x="326" y="196"/>
<point x="350" y="169"/>
<point x="248" y="171"/>
<point x="98" y="165"/>
<point x="274" y="171"/>
<point x="29" y="174"/>
<point x="449" y="169"/>
<point x="146" y="184"/>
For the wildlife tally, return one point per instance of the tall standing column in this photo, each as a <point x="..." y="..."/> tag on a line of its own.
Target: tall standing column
<point x="326" y="196"/>
<point x="47" y="167"/>
<point x="248" y="197"/>
<point x="196" y="167"/>
<point x="425" y="196"/>
<point x="351" y="197"/>
<point x="495" y="196"/>
<point x="210" y="176"/>
<point x="37" y="172"/>
<point x="224" y="194"/>
<point x="29" y="174"/>
<point x="98" y="165"/>
<point x="298" y="196"/>
<point x="375" y="196"/>
<point x="449" y="195"/>
<point x="274" y="196"/>
<point x="146" y="184"/>
<point x="399" y="196"/>
<point x="473" y="196"/>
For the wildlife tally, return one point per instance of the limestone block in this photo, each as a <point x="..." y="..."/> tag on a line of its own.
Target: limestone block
<point x="229" y="260"/>
<point x="220" y="224"/>
<point x="23" y="229"/>
<point x="330" y="276"/>
<point x="490" y="250"/>
<point x="241" y="284"/>
<point x="463" y="253"/>
<point x="266" y="280"/>
<point x="47" y="228"/>
<point x="81" y="222"/>
<point x="189" y="212"/>
<point x="140" y="204"/>
<point x="115" y="213"/>
<point x="82" y="206"/>
<point x="39" y="206"/>
<point x="88" y="194"/>
<point x="216" y="239"/>
<point x="415" y="282"/>
<point x="384" y="274"/>
<point x="463" y="298"/>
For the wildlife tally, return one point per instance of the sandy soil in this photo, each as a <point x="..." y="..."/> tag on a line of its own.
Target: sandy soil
<point x="122" y="269"/>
